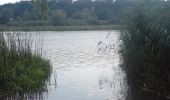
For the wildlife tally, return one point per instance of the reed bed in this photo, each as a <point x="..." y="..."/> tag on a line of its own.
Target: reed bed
<point x="145" y="50"/>
<point x="23" y="71"/>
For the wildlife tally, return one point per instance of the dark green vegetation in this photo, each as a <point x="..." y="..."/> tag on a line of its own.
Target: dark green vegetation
<point x="63" y="12"/>
<point x="22" y="71"/>
<point x="145" y="50"/>
<point x="61" y="28"/>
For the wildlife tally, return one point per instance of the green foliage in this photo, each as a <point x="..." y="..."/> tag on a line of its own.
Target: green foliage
<point x="80" y="12"/>
<point x="5" y="15"/>
<point x="21" y="70"/>
<point x="44" y="9"/>
<point x="84" y="14"/>
<point x="29" y="23"/>
<point x="83" y="26"/>
<point x="145" y="50"/>
<point x="26" y="15"/>
<point x="58" y="17"/>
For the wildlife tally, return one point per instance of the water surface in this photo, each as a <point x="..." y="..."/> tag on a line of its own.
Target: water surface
<point x="80" y="72"/>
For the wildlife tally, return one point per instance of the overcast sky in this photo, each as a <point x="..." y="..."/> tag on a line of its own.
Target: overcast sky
<point x="8" y="1"/>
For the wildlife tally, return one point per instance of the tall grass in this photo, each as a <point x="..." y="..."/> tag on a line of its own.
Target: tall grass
<point x="22" y="71"/>
<point x="145" y="50"/>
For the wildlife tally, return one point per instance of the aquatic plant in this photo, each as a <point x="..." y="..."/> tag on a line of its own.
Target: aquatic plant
<point x="145" y="50"/>
<point x="22" y="69"/>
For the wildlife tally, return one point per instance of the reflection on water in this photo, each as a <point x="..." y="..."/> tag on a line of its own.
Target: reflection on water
<point x="26" y="96"/>
<point x="80" y="72"/>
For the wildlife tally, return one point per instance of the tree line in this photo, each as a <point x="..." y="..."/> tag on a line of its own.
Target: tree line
<point x="63" y="12"/>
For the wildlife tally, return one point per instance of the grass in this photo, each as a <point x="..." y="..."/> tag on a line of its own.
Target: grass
<point x="145" y="51"/>
<point x="22" y="71"/>
<point x="59" y="28"/>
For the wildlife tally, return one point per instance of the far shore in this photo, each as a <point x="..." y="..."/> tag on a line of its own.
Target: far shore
<point x="60" y="28"/>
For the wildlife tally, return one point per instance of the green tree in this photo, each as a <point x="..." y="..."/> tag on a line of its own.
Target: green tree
<point x="44" y="9"/>
<point x="26" y="16"/>
<point x="84" y="14"/>
<point x="43" y="5"/>
<point x="58" y="17"/>
<point x="5" y="15"/>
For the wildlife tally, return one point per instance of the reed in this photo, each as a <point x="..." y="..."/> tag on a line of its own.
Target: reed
<point x="145" y="50"/>
<point x="22" y="69"/>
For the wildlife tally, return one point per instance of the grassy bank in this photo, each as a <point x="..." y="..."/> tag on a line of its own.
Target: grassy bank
<point x="145" y="51"/>
<point x="22" y="71"/>
<point x="59" y="28"/>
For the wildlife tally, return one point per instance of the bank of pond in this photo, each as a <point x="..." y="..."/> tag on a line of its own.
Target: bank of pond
<point x="61" y="28"/>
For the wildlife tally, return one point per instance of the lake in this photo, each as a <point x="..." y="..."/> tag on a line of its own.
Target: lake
<point x="80" y="70"/>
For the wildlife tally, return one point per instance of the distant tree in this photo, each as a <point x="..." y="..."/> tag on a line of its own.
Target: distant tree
<point x="36" y="13"/>
<point x="84" y="14"/>
<point x="43" y="5"/>
<point x="5" y="15"/>
<point x="44" y="9"/>
<point x="19" y="8"/>
<point x="58" y="17"/>
<point x="82" y="4"/>
<point x="26" y="15"/>
<point x="104" y="10"/>
<point x="66" y="5"/>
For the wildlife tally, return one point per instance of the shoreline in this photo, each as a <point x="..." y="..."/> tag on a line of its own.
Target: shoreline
<point x="61" y="28"/>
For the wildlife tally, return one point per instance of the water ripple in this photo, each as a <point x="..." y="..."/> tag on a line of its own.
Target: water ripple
<point x="83" y="73"/>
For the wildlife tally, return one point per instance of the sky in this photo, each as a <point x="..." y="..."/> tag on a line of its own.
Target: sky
<point x="8" y="1"/>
